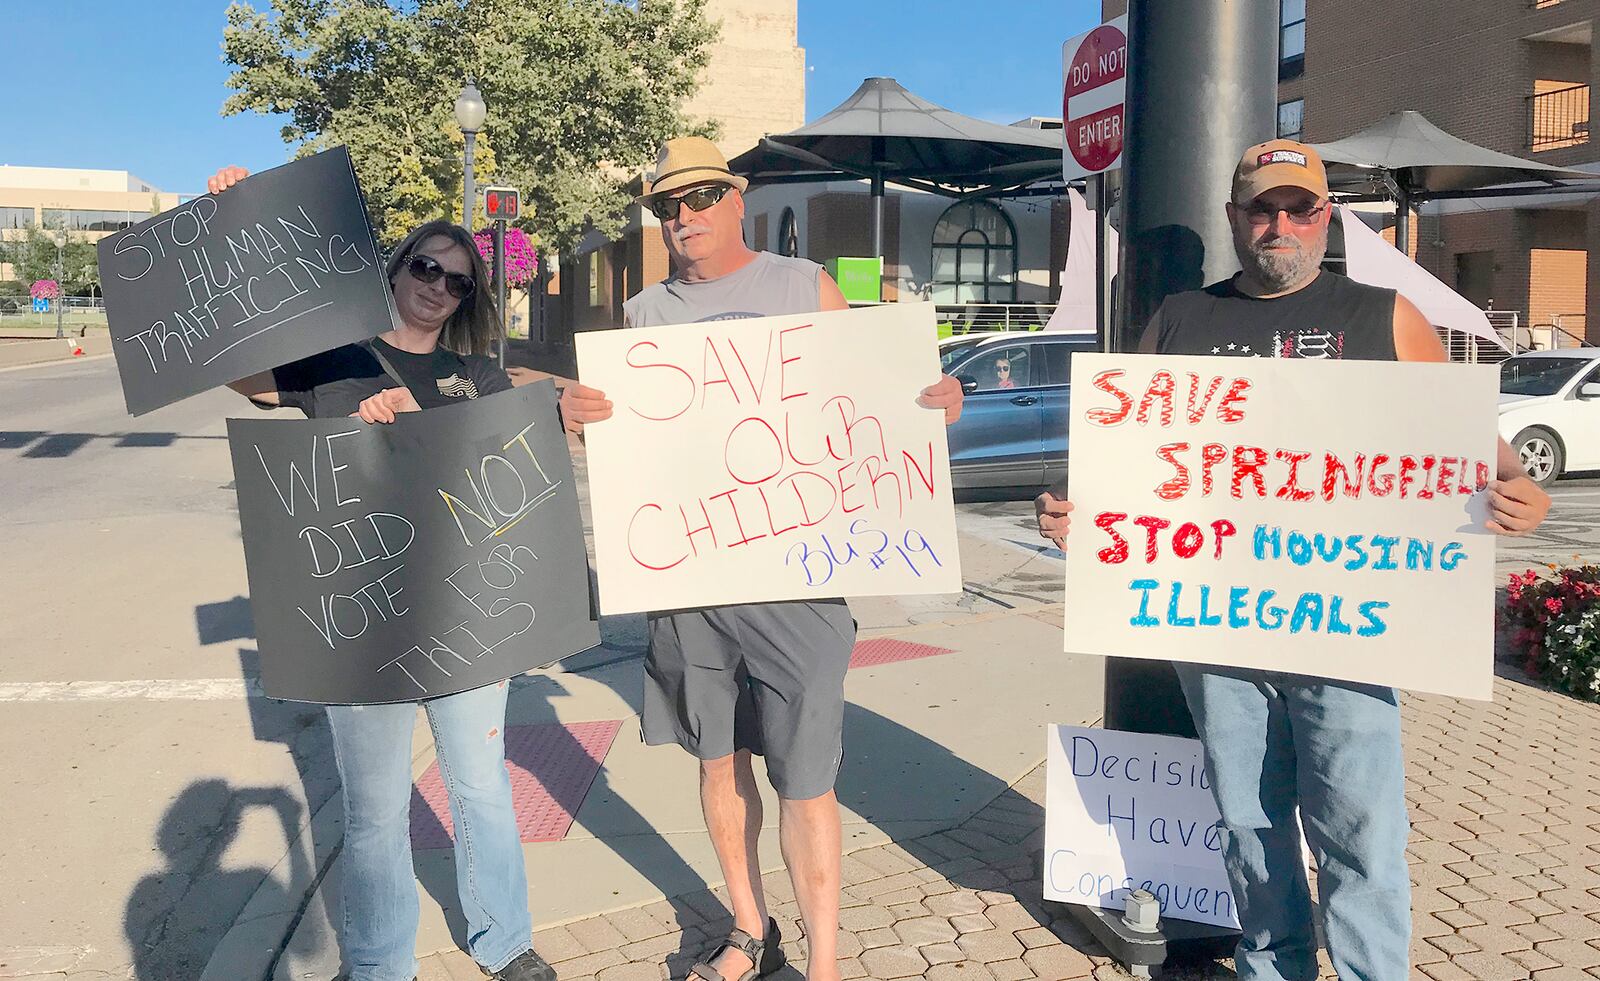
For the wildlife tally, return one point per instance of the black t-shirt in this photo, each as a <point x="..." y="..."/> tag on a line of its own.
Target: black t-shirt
<point x="1331" y="317"/>
<point x="334" y="383"/>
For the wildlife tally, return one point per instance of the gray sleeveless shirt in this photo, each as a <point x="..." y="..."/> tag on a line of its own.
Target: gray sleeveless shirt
<point x="768" y="286"/>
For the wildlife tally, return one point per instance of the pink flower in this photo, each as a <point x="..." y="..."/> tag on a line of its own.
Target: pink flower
<point x="1553" y="605"/>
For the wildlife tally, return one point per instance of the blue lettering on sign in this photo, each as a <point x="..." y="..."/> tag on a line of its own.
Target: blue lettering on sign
<point x="818" y="561"/>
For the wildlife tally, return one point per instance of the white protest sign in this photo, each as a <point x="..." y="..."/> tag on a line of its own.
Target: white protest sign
<point x="1132" y="810"/>
<point x="1323" y="518"/>
<point x="772" y="458"/>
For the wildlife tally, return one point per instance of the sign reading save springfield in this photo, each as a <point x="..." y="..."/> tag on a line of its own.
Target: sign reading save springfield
<point x="1318" y="517"/>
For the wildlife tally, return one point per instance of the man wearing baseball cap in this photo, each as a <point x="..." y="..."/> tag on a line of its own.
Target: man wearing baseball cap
<point x="1275" y="743"/>
<point x="756" y="678"/>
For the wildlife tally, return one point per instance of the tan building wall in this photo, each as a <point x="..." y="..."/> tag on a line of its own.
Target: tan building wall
<point x="755" y="83"/>
<point x="91" y="202"/>
<point x="1472" y="67"/>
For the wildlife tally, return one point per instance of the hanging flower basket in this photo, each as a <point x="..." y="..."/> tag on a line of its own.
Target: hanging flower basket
<point x="522" y="259"/>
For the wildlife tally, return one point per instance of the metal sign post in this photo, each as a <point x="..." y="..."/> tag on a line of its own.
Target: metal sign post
<point x="500" y="205"/>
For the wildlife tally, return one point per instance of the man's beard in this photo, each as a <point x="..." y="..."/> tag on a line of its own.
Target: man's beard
<point x="1278" y="271"/>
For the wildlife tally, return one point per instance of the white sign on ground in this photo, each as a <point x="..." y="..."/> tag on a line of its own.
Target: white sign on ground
<point x="1094" y="68"/>
<point x="1132" y="810"/>
<point x="1313" y="517"/>
<point x="766" y="459"/>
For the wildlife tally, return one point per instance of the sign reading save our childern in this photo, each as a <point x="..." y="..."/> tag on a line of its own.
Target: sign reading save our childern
<point x="778" y="458"/>
<point x="278" y="268"/>
<point x="1324" y="518"/>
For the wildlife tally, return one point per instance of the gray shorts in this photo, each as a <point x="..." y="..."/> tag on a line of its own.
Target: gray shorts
<point x="764" y="677"/>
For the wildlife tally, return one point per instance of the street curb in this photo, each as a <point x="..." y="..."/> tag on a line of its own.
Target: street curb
<point x="63" y="359"/>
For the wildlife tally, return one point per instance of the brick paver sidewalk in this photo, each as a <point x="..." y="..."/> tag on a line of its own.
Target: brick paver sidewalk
<point x="1505" y="856"/>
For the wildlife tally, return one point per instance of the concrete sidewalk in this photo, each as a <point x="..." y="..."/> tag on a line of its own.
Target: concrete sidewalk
<point x="916" y="765"/>
<point x="1505" y="865"/>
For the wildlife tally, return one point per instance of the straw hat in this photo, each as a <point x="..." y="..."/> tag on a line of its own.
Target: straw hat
<point x="688" y="160"/>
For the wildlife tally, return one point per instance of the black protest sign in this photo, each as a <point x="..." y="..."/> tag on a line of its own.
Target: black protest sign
<point x="277" y="268"/>
<point x="397" y="562"/>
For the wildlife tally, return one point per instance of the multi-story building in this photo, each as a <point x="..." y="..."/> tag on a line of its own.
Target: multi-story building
<point x="1510" y="75"/>
<point x="86" y="203"/>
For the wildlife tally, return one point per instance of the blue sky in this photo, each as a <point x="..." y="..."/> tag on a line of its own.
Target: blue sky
<point x="138" y="85"/>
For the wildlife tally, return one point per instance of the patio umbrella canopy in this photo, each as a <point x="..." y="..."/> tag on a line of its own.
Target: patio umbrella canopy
<point x="1414" y="160"/>
<point x="1423" y="159"/>
<point x="883" y="128"/>
<point x="885" y="133"/>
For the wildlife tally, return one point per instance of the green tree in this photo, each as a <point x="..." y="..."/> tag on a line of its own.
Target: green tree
<point x="580" y="93"/>
<point x="33" y="257"/>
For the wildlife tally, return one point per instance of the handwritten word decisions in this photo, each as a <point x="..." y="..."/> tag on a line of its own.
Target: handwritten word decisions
<point x="769" y="459"/>
<point x="390" y="563"/>
<point x="1318" y="518"/>
<point x="1132" y="810"/>
<point x="277" y="268"/>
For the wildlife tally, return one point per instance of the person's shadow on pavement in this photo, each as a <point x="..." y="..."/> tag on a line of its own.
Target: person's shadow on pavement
<point x="170" y="920"/>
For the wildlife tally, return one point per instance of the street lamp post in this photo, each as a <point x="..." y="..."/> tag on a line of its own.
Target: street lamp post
<point x="470" y="111"/>
<point x="61" y="275"/>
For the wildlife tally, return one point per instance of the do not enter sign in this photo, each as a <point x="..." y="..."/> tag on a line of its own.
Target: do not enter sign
<point x="1094" y="68"/>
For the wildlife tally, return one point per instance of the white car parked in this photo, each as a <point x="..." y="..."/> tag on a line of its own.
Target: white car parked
<point x="1550" y="410"/>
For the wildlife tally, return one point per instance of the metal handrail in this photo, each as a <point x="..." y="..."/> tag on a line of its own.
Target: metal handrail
<point x="973" y="318"/>
<point x="1558" y="118"/>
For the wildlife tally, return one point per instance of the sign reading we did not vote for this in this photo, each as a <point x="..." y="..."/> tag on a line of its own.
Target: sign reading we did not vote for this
<point x="278" y="268"/>
<point x="1323" y="518"/>
<point x="391" y="563"/>
<point x="766" y="459"/>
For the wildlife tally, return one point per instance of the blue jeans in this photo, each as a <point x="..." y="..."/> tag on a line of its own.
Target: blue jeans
<point x="1275" y="742"/>
<point x="373" y="746"/>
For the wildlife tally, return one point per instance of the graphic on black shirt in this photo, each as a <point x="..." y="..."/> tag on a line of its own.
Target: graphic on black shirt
<point x="455" y="387"/>
<point x="1310" y="342"/>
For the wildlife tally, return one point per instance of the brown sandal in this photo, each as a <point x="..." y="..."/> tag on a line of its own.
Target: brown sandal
<point x="766" y="954"/>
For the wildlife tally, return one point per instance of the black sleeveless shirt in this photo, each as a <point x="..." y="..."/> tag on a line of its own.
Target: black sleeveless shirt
<point x="1331" y="317"/>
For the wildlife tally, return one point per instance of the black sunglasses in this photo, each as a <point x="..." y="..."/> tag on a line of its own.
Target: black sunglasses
<point x="1260" y="214"/>
<point x="426" y="269"/>
<point x="698" y="199"/>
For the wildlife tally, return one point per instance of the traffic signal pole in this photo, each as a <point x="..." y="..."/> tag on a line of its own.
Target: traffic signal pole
<point x="1201" y="86"/>
<point x="500" y="285"/>
<point x="500" y="205"/>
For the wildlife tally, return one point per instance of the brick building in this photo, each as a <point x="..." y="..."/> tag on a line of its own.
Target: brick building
<point x="1510" y="75"/>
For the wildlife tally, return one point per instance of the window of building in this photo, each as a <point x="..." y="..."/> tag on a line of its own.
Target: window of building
<point x="1291" y="38"/>
<point x="1292" y="119"/>
<point x="597" y="272"/>
<point x="16" y="217"/>
<point x="83" y="220"/>
<point x="974" y="255"/>
<point x="788" y="234"/>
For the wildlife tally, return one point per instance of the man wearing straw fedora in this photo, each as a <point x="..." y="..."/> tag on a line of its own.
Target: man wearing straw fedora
<point x="761" y="678"/>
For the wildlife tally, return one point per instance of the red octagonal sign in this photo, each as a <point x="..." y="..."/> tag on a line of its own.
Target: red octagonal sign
<point x="1092" y="100"/>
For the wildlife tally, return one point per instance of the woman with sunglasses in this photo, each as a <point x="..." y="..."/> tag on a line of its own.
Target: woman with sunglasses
<point x="435" y="357"/>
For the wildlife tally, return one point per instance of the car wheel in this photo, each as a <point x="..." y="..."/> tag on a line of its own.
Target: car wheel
<point x="1541" y="455"/>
